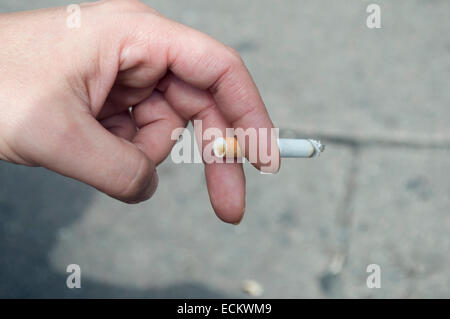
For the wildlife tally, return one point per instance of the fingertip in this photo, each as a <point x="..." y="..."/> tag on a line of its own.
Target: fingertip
<point x="144" y="194"/>
<point x="154" y="182"/>
<point x="139" y="181"/>
<point x="274" y="157"/>
<point x="230" y="212"/>
<point x="272" y="168"/>
<point x="226" y="187"/>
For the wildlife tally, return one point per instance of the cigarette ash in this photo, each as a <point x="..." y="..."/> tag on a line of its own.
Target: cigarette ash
<point x="318" y="147"/>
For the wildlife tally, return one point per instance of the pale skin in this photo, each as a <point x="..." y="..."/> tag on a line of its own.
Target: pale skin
<point x="65" y="96"/>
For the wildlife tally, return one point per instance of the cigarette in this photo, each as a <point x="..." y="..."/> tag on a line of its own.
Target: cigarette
<point x="289" y="148"/>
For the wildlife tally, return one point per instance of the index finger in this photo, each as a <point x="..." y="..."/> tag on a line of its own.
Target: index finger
<point x="208" y="64"/>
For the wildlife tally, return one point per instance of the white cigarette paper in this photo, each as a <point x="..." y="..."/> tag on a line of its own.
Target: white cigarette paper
<point x="293" y="148"/>
<point x="298" y="148"/>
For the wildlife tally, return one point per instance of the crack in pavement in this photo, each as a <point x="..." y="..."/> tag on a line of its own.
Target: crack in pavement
<point x="330" y="278"/>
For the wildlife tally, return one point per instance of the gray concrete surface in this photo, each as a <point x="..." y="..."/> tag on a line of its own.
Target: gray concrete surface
<point x="380" y="194"/>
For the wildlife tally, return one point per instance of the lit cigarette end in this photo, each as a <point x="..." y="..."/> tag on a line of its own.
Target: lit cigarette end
<point x="318" y="147"/>
<point x="227" y="147"/>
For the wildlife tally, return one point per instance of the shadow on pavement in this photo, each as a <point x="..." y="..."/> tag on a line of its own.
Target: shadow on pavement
<point x="34" y="205"/>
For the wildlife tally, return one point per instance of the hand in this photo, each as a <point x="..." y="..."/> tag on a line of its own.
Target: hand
<point x="65" y="96"/>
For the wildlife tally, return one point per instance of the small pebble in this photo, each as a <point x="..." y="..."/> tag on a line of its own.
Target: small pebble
<point x="252" y="288"/>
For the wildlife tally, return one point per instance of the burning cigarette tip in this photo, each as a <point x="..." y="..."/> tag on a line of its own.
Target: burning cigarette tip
<point x="318" y="147"/>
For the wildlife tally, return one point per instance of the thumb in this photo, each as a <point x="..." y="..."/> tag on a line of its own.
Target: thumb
<point x="86" y="151"/>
